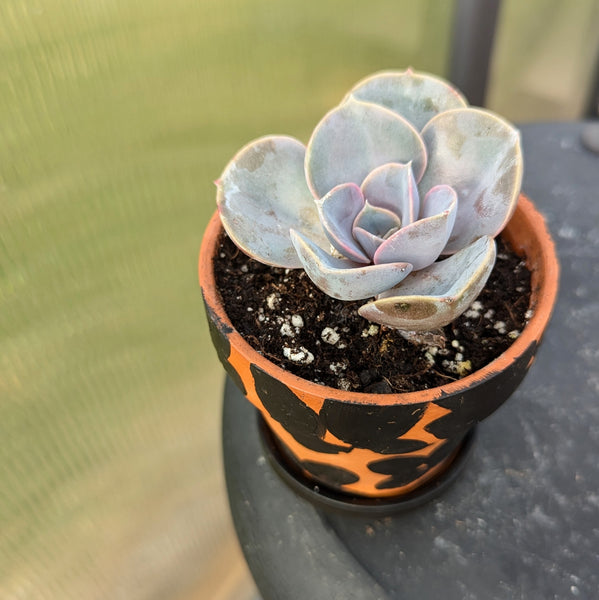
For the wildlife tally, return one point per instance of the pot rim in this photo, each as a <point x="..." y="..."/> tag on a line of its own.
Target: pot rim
<point x="529" y="237"/>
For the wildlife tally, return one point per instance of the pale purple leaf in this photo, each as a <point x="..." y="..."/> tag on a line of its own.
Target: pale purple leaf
<point x="261" y="194"/>
<point x="369" y="242"/>
<point x="478" y="154"/>
<point x="344" y="279"/>
<point x="377" y="220"/>
<point x="416" y="96"/>
<point x="435" y="296"/>
<point x="338" y="211"/>
<point x="373" y="225"/>
<point x="392" y="186"/>
<point x="422" y="242"/>
<point x="355" y="138"/>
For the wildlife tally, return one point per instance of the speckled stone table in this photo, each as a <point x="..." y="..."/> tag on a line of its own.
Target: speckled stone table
<point x="522" y="520"/>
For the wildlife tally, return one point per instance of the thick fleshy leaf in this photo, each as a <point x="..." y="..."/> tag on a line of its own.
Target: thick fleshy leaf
<point x="478" y="154"/>
<point x="338" y="211"/>
<point x="370" y="243"/>
<point x="379" y="221"/>
<point x="416" y="96"/>
<point x="392" y="186"/>
<point x="422" y="242"/>
<point x="261" y="194"/>
<point x="355" y="138"/>
<point x="373" y="225"/>
<point x="435" y="296"/>
<point x="344" y="279"/>
<point x="439" y="199"/>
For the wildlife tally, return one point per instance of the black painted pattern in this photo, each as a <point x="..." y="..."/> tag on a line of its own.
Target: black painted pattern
<point x="306" y="426"/>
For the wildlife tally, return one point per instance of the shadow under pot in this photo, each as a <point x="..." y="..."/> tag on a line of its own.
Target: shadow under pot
<point x="372" y="448"/>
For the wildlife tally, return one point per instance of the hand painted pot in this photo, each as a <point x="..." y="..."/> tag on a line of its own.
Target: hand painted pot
<point x="382" y="445"/>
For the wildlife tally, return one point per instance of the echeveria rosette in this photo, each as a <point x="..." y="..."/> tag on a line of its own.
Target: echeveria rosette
<point x="399" y="174"/>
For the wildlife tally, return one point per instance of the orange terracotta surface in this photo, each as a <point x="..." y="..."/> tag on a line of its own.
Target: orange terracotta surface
<point x="541" y="259"/>
<point x="526" y="233"/>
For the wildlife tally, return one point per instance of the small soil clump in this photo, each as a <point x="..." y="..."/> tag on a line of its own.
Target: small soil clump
<point x="290" y="321"/>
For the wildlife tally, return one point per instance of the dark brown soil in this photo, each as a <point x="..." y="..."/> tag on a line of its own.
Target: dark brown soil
<point x="290" y="321"/>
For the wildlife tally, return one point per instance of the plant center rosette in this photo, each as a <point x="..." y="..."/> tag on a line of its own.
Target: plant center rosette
<point x="396" y="199"/>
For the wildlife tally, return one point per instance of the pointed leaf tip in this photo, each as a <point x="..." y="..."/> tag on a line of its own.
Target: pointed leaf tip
<point x="421" y="242"/>
<point x="338" y="211"/>
<point x="435" y="296"/>
<point x="393" y="186"/>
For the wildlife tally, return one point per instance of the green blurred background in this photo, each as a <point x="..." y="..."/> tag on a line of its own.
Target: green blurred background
<point x="115" y="118"/>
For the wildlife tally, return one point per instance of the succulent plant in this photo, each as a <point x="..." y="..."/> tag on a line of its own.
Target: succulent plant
<point x="396" y="198"/>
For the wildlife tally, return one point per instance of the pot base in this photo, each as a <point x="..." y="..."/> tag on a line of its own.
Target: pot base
<point x="338" y="501"/>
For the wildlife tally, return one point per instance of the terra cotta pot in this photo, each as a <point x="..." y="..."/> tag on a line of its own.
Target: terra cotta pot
<point x="382" y="445"/>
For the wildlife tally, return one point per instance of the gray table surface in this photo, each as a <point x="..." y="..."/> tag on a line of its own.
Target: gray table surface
<point x="522" y="521"/>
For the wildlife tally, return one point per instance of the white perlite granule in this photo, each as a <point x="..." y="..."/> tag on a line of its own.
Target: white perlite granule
<point x="298" y="355"/>
<point x="330" y="336"/>
<point x="344" y="384"/>
<point x="286" y="330"/>
<point x="372" y="330"/>
<point x="500" y="327"/>
<point x="272" y="301"/>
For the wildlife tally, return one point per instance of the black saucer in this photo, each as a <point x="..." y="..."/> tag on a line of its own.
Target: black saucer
<point x="330" y="499"/>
